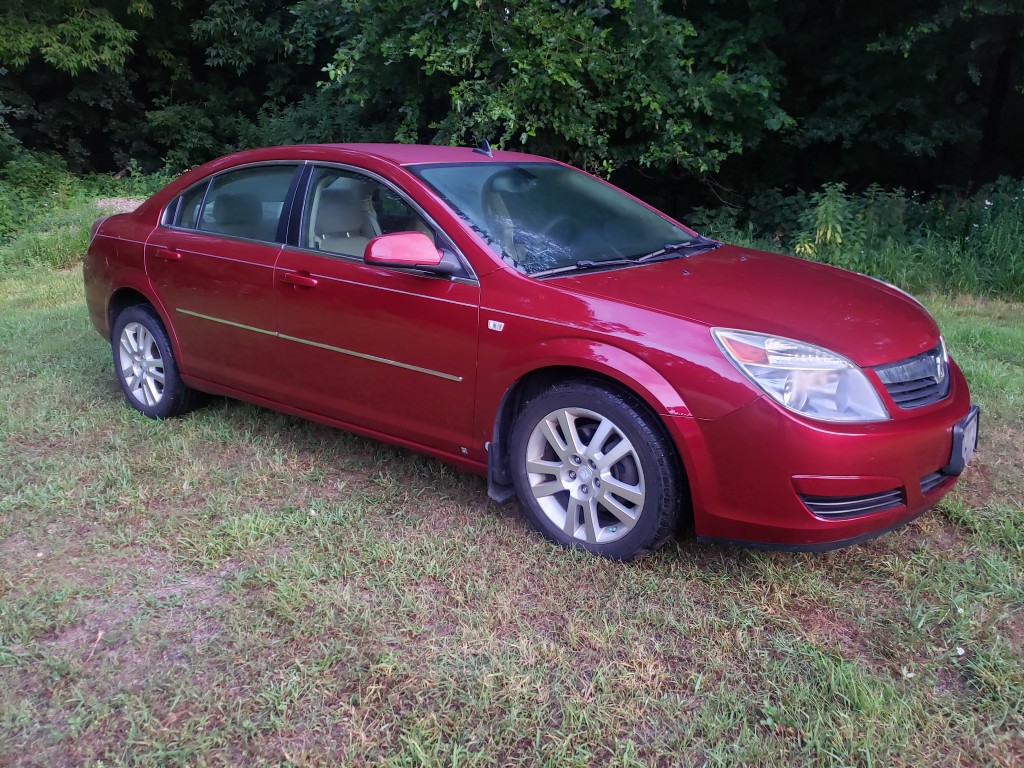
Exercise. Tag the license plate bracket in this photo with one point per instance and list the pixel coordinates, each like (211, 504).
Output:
(965, 442)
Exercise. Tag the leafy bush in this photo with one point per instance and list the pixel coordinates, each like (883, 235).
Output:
(30, 184)
(46, 212)
(944, 243)
(57, 240)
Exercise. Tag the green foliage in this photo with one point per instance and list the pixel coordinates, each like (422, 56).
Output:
(188, 132)
(239, 34)
(943, 243)
(57, 240)
(823, 223)
(9, 144)
(575, 80)
(30, 186)
(70, 35)
(46, 212)
(757, 92)
(760, 99)
(326, 115)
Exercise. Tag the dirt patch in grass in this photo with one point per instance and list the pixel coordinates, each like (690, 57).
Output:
(15, 546)
(939, 534)
(997, 467)
(829, 629)
(118, 204)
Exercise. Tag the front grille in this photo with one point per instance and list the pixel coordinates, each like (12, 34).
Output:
(930, 482)
(917, 381)
(838, 507)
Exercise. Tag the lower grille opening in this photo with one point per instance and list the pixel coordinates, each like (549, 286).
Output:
(838, 507)
(932, 481)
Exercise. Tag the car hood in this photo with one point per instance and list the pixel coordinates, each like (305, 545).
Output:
(865, 320)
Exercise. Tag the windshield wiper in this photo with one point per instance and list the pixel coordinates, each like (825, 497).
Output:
(688, 248)
(584, 264)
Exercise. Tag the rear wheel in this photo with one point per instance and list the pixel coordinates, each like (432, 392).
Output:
(145, 365)
(594, 471)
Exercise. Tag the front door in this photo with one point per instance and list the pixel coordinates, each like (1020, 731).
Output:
(387, 350)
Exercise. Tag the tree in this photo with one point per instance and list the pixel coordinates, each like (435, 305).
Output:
(916, 93)
(603, 83)
(71, 36)
(750, 93)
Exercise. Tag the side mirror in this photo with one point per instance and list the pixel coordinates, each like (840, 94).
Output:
(406, 250)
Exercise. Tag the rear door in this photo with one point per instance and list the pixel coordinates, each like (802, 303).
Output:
(389, 350)
(212, 263)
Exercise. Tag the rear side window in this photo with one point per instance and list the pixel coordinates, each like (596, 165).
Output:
(247, 203)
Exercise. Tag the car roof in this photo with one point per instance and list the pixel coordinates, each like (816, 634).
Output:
(401, 155)
(419, 154)
(393, 154)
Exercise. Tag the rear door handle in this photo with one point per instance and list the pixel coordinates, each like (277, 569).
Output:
(299, 278)
(167, 254)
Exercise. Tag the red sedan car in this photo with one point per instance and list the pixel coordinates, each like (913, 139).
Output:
(522, 319)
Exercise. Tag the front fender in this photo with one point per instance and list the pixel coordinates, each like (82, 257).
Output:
(583, 354)
(500, 385)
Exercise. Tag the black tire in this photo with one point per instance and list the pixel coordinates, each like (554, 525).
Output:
(145, 365)
(619, 508)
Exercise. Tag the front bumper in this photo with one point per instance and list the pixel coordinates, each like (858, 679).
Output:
(757, 473)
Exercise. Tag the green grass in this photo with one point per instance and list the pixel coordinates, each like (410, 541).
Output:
(240, 587)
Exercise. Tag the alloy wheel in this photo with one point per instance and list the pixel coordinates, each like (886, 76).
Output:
(142, 365)
(585, 475)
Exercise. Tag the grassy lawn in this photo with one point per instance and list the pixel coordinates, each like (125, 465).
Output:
(240, 587)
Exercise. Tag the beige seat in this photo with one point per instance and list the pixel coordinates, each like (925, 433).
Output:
(238, 214)
(502, 227)
(339, 222)
(419, 225)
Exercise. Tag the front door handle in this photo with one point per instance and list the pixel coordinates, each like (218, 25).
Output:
(167, 255)
(303, 279)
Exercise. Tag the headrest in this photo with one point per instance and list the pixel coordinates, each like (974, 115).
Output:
(513, 180)
(239, 208)
(339, 210)
(357, 187)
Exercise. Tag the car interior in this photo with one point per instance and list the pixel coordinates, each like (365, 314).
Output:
(343, 211)
(347, 212)
(240, 214)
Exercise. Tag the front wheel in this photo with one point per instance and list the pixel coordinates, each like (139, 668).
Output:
(593, 470)
(145, 365)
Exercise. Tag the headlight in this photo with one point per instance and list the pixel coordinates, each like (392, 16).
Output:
(802, 377)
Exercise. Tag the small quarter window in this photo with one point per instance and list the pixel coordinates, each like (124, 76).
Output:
(188, 210)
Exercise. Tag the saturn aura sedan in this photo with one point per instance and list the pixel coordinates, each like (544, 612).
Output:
(619, 373)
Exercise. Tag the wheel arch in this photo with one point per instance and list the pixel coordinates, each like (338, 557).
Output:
(533, 382)
(132, 295)
(123, 298)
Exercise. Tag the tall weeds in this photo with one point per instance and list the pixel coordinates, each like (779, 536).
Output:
(940, 244)
(46, 212)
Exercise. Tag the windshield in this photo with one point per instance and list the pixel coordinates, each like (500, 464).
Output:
(542, 216)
